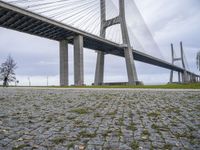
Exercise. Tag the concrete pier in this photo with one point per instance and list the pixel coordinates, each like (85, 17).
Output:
(64, 63)
(130, 65)
(99, 73)
(179, 77)
(185, 75)
(78, 61)
(128, 53)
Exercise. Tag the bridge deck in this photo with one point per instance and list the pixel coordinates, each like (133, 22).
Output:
(18, 19)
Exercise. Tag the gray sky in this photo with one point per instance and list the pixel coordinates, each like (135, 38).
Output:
(168, 20)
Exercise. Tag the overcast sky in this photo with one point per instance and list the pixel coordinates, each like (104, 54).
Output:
(168, 20)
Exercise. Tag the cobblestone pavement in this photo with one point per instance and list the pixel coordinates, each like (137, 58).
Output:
(95, 119)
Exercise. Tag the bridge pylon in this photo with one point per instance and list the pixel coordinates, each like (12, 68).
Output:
(184, 75)
(130, 65)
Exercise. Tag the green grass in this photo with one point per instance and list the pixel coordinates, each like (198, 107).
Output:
(85, 134)
(166, 86)
(70, 145)
(97, 115)
(153, 114)
(132, 127)
(134, 145)
(80, 110)
(19, 147)
(167, 147)
(58, 140)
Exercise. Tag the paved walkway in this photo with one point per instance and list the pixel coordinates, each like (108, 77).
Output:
(95, 119)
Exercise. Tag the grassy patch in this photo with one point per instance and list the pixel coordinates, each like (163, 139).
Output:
(134, 145)
(71, 117)
(85, 134)
(166, 86)
(187, 135)
(167, 147)
(118, 132)
(70, 145)
(19, 147)
(97, 115)
(173, 109)
(121, 120)
(159, 128)
(80, 110)
(153, 114)
(58, 140)
(132, 127)
(106, 133)
(197, 107)
(112, 113)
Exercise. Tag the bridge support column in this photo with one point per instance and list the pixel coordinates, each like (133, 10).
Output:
(78, 61)
(195, 79)
(179, 77)
(131, 70)
(171, 76)
(130, 65)
(184, 77)
(99, 73)
(171, 73)
(191, 78)
(63, 63)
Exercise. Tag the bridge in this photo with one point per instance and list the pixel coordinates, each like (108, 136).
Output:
(22, 20)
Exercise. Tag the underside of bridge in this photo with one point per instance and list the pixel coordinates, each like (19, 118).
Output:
(15, 18)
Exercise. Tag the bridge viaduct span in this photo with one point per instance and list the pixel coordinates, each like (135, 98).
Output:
(16, 18)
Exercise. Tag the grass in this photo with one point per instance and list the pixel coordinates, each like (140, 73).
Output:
(173, 109)
(58, 140)
(134, 145)
(132, 127)
(19, 147)
(167, 147)
(153, 114)
(97, 115)
(80, 110)
(112, 113)
(121, 120)
(106, 133)
(165, 86)
(187, 135)
(70, 145)
(85, 134)
(159, 128)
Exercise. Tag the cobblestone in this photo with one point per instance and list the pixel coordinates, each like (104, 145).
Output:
(99, 119)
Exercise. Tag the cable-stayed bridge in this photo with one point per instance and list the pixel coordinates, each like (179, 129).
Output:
(86, 24)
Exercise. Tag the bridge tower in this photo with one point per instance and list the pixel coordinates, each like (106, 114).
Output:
(181, 58)
(120, 19)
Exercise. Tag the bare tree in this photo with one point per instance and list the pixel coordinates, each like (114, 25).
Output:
(198, 60)
(7, 69)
